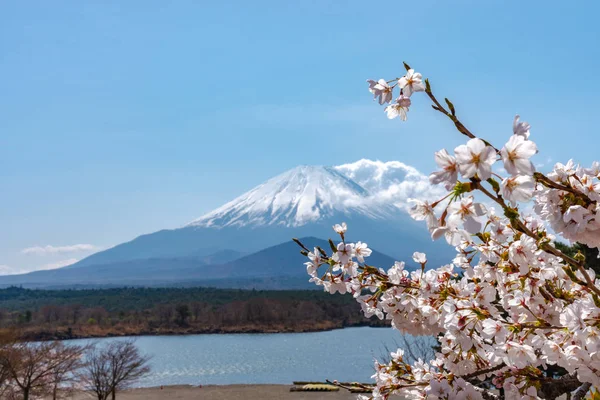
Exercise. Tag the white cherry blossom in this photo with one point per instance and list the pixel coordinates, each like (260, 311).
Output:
(361, 250)
(411, 82)
(466, 212)
(340, 228)
(423, 211)
(516, 154)
(399, 108)
(510, 303)
(521, 128)
(345, 251)
(381, 90)
(449, 170)
(475, 158)
(419, 258)
(518, 188)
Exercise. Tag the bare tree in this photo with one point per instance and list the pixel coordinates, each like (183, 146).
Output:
(38, 369)
(7, 340)
(67, 370)
(97, 373)
(415, 348)
(114, 367)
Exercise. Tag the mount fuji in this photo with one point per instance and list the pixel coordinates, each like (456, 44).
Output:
(370, 196)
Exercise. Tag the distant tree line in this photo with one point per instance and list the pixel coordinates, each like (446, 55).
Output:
(54, 370)
(62, 314)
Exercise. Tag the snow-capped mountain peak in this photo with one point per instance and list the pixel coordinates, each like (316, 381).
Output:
(301, 195)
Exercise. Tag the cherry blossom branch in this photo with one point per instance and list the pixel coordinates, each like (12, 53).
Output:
(483, 371)
(351, 386)
(581, 391)
(465, 131)
(459, 125)
(552, 388)
(488, 395)
(439, 107)
(511, 273)
(544, 180)
(530, 326)
(545, 246)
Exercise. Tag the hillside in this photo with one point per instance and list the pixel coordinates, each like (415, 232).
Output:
(276, 267)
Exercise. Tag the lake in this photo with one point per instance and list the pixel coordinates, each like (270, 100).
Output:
(343, 354)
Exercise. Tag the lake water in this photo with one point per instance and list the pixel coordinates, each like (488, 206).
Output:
(343, 354)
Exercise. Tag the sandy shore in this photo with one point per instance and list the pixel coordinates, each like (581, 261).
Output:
(228, 392)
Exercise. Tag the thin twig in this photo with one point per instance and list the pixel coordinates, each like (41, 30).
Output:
(483, 372)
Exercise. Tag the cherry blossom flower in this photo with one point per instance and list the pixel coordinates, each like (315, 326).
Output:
(465, 212)
(399, 108)
(521, 128)
(449, 173)
(381, 90)
(419, 258)
(518, 188)
(344, 253)
(475, 158)
(340, 228)
(516, 154)
(315, 261)
(422, 210)
(519, 355)
(522, 252)
(361, 250)
(454, 236)
(411, 82)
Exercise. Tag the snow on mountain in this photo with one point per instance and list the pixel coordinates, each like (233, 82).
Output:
(296, 197)
(307, 194)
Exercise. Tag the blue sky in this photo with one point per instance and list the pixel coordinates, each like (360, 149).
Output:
(121, 118)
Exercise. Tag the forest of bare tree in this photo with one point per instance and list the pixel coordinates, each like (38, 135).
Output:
(66, 314)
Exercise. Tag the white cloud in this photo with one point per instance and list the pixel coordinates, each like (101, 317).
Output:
(392, 182)
(547, 163)
(7, 270)
(57, 264)
(46, 250)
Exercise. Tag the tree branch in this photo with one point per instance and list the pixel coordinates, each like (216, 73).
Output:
(581, 391)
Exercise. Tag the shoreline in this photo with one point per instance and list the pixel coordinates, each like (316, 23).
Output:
(64, 334)
(230, 392)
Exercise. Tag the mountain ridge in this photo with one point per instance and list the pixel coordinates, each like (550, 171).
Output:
(305, 201)
(275, 267)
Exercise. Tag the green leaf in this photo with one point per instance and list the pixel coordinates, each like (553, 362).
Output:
(450, 106)
(322, 251)
(494, 184)
(332, 246)
(596, 300)
(299, 243)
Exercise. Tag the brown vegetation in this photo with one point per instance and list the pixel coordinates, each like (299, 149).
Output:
(122, 312)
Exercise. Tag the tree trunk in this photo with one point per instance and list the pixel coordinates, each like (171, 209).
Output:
(26, 394)
(114, 394)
